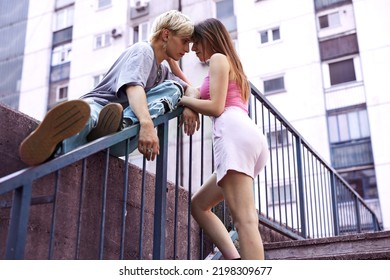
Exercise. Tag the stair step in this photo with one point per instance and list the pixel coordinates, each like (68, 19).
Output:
(348, 247)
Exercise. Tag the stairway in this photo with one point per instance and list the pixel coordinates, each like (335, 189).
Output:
(365, 246)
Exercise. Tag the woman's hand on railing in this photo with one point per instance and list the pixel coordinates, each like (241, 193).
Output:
(190, 120)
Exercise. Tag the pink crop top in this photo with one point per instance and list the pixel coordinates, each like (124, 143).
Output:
(233, 97)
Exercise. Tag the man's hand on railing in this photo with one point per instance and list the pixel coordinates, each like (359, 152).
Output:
(148, 142)
(191, 121)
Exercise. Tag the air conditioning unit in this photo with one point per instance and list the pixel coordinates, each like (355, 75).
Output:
(116, 32)
(141, 5)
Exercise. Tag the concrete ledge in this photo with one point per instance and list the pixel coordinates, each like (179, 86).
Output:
(71, 241)
(357, 246)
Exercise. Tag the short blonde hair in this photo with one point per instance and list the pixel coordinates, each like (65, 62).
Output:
(175, 21)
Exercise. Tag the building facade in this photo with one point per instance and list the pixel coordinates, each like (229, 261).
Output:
(322, 63)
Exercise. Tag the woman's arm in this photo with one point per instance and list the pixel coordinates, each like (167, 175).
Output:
(219, 80)
(176, 70)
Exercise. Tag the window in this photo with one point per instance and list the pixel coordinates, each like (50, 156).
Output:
(280, 194)
(273, 85)
(104, 4)
(97, 79)
(64, 18)
(323, 4)
(349, 136)
(330, 20)
(61, 54)
(63, 3)
(277, 138)
(269, 35)
(225, 13)
(62, 93)
(342, 72)
(60, 72)
(103, 40)
(347, 126)
(141, 32)
(363, 182)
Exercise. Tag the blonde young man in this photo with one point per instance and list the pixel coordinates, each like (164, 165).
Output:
(137, 88)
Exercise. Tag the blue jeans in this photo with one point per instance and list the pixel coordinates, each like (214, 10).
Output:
(161, 99)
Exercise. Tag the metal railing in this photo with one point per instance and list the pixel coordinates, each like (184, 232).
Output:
(298, 193)
(87, 222)
(106, 217)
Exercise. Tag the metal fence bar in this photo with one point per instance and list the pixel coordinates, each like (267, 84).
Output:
(53, 217)
(17, 232)
(104, 203)
(124, 204)
(81, 203)
(189, 200)
(177, 172)
(160, 194)
(301, 191)
(142, 212)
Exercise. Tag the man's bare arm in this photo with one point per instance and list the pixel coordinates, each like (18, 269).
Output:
(148, 143)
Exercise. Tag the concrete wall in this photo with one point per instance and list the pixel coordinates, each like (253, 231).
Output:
(68, 206)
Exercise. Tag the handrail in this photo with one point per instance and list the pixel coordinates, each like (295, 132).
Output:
(319, 186)
(21, 184)
(298, 194)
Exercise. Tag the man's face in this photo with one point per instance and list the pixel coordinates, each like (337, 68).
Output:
(178, 46)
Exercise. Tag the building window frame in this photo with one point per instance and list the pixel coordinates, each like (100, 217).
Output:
(274, 85)
(97, 79)
(103, 4)
(278, 138)
(282, 193)
(64, 18)
(62, 93)
(348, 124)
(329, 20)
(102, 40)
(140, 32)
(270, 35)
(350, 137)
(342, 71)
(61, 54)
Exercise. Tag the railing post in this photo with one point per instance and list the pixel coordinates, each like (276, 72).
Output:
(336, 226)
(302, 209)
(18, 225)
(160, 199)
(358, 218)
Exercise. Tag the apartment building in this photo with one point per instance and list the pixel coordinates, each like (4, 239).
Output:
(322, 63)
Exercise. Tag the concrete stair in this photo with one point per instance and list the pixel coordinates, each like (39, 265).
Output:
(364, 246)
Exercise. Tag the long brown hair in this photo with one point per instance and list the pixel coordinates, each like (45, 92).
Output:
(211, 33)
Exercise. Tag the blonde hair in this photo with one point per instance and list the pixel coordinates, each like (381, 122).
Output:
(211, 33)
(173, 20)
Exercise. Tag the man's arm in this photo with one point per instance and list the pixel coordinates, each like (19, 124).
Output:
(148, 139)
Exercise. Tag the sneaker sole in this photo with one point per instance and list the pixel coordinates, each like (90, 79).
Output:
(110, 121)
(61, 122)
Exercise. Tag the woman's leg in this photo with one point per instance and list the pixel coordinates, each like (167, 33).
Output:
(202, 202)
(238, 193)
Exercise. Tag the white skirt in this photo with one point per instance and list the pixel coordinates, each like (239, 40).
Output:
(239, 144)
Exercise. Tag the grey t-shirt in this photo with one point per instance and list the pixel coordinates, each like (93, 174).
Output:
(137, 65)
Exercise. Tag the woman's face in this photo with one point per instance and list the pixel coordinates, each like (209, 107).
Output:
(201, 52)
